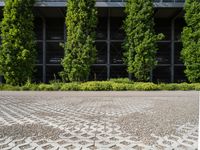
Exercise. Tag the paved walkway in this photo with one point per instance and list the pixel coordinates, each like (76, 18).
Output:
(98, 120)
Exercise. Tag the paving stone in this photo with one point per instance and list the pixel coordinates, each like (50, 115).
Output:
(98, 121)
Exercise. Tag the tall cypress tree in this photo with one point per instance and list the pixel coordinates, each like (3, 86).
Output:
(79, 48)
(17, 54)
(191, 40)
(140, 43)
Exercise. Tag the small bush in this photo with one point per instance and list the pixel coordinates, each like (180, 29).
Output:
(45, 87)
(197, 87)
(56, 85)
(145, 86)
(7, 87)
(180, 86)
(112, 85)
(186, 87)
(168, 87)
(120, 86)
(30, 87)
(96, 86)
(121, 80)
(70, 87)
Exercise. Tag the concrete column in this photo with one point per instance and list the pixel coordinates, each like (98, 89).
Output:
(44, 50)
(108, 45)
(172, 48)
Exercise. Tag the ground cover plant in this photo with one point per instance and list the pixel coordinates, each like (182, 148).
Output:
(111, 85)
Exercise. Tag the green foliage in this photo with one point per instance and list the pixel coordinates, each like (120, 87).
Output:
(8, 87)
(17, 54)
(140, 43)
(80, 51)
(96, 86)
(145, 86)
(191, 40)
(112, 85)
(121, 80)
(181, 86)
(73, 86)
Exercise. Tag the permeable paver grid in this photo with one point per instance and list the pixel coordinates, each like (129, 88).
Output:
(98, 120)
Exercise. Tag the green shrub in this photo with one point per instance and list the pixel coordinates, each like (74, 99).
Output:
(191, 40)
(167, 87)
(7, 87)
(80, 50)
(30, 87)
(174, 86)
(114, 85)
(145, 86)
(17, 54)
(185, 86)
(197, 87)
(121, 80)
(45, 87)
(70, 86)
(56, 84)
(120, 86)
(141, 39)
(96, 86)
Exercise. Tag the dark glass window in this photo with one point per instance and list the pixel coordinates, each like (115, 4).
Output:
(38, 24)
(52, 73)
(39, 53)
(55, 29)
(163, 26)
(177, 53)
(118, 72)
(179, 24)
(37, 76)
(54, 53)
(101, 52)
(162, 74)
(101, 31)
(117, 33)
(164, 53)
(179, 75)
(2, 79)
(116, 53)
(98, 73)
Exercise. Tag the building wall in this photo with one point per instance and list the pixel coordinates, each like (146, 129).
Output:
(109, 64)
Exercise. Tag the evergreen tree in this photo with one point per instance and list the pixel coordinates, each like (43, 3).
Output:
(140, 43)
(191, 40)
(17, 54)
(79, 48)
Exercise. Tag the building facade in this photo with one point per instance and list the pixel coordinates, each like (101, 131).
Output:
(50, 31)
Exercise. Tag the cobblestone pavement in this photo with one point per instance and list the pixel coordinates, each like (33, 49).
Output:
(98, 120)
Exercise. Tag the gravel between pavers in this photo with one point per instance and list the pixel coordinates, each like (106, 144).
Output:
(162, 120)
(99, 120)
(38, 131)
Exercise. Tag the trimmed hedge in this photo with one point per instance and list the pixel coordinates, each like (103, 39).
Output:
(112, 85)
